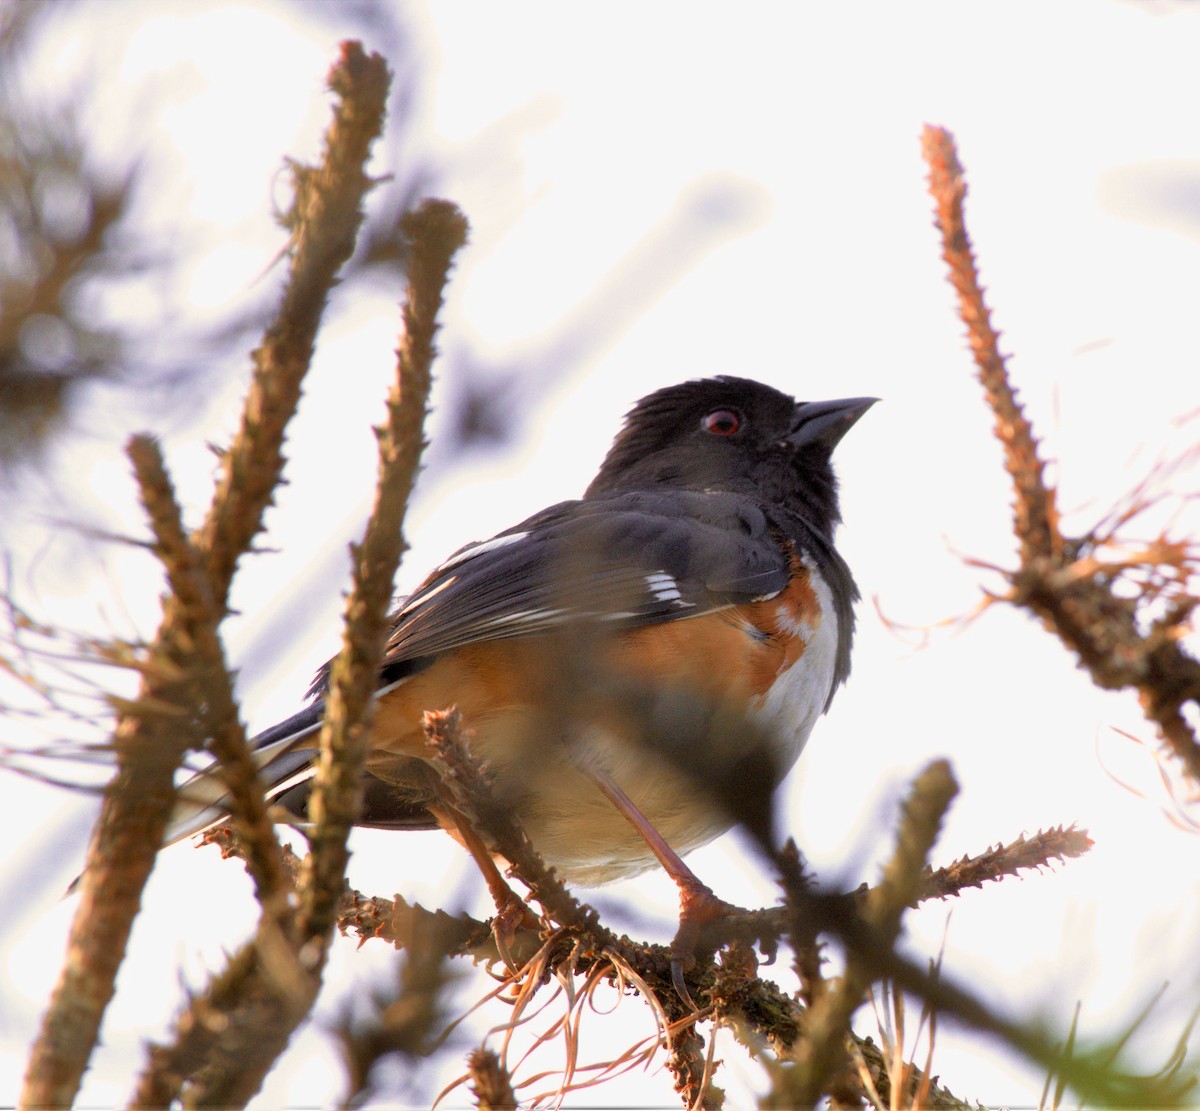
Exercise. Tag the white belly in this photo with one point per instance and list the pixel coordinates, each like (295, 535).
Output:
(800, 694)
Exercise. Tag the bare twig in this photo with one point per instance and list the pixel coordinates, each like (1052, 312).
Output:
(1024, 853)
(150, 747)
(436, 230)
(1074, 598)
(821, 1053)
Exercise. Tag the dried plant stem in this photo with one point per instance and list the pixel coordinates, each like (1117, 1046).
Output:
(1100, 626)
(919, 1089)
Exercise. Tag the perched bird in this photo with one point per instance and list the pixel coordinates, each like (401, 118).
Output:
(699, 562)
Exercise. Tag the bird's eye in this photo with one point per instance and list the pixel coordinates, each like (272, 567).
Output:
(722, 422)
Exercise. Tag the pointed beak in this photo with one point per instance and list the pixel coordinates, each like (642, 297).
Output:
(824, 423)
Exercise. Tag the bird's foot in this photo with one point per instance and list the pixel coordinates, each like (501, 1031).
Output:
(698, 906)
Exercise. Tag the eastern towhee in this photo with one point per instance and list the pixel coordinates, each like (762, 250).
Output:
(700, 558)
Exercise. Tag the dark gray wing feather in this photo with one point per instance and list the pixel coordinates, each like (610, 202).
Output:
(630, 559)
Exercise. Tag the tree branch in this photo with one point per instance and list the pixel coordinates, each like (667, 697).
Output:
(157, 729)
(1071, 594)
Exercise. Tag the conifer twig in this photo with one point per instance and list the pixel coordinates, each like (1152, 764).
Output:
(282, 982)
(1080, 606)
(821, 1052)
(1036, 852)
(324, 220)
(436, 231)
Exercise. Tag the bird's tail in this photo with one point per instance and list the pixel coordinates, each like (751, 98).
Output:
(285, 755)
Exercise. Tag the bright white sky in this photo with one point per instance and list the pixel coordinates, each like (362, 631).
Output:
(750, 188)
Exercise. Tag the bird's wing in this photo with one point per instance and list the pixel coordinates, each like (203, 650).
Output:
(624, 561)
(627, 560)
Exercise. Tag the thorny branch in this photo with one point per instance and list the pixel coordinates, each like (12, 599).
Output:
(270, 984)
(820, 1056)
(1057, 580)
(436, 231)
(735, 992)
(277, 977)
(156, 730)
(214, 688)
(324, 219)
(461, 772)
(1034, 852)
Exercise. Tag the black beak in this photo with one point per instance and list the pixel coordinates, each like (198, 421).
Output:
(824, 423)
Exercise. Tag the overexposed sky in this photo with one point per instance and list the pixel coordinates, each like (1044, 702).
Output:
(682, 190)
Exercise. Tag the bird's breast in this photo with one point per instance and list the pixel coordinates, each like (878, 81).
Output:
(800, 634)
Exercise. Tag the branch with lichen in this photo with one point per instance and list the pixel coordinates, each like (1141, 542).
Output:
(1059, 579)
(738, 996)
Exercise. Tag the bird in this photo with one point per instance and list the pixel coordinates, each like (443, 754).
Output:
(699, 564)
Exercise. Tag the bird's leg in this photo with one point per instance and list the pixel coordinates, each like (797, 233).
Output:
(512, 911)
(698, 905)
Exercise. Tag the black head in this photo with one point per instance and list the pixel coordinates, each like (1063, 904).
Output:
(733, 435)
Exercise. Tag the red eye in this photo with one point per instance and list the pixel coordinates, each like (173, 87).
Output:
(722, 422)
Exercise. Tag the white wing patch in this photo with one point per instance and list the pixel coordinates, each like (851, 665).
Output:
(425, 596)
(663, 587)
(473, 550)
(535, 617)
